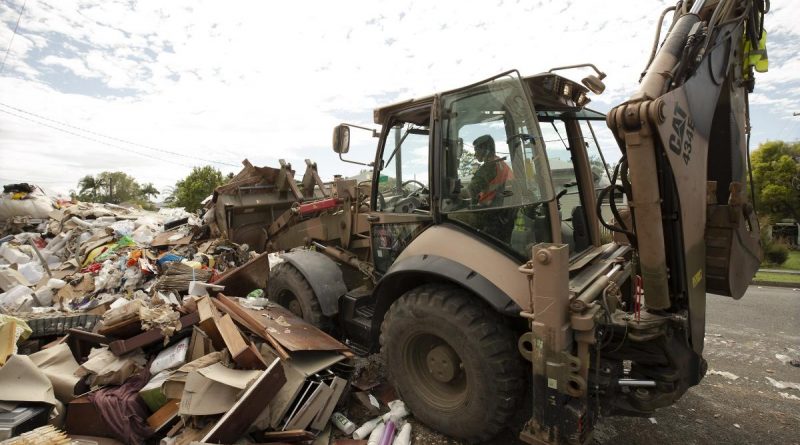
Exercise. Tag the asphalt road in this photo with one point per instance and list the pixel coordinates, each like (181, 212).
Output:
(736, 403)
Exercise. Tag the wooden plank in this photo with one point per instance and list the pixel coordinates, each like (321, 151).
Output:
(289, 436)
(292, 332)
(231, 335)
(121, 347)
(199, 345)
(241, 416)
(244, 354)
(208, 321)
(164, 415)
(81, 342)
(124, 329)
(247, 320)
(83, 419)
(250, 358)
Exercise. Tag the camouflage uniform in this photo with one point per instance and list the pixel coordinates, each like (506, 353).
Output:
(486, 189)
(488, 183)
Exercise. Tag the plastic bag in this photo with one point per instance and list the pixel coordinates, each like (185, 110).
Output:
(33, 272)
(13, 255)
(126, 241)
(15, 296)
(144, 234)
(123, 227)
(108, 278)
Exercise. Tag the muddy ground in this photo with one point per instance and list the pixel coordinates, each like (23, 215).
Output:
(748, 345)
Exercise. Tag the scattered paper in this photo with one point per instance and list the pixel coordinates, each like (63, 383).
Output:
(59, 366)
(783, 385)
(726, 374)
(109, 369)
(786, 395)
(22, 381)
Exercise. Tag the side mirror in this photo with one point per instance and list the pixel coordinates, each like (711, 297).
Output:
(594, 84)
(341, 139)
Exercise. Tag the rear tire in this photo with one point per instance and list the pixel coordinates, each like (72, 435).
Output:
(289, 288)
(453, 360)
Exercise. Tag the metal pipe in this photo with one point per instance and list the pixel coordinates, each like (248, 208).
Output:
(617, 274)
(613, 270)
(637, 383)
(342, 255)
(656, 78)
(41, 258)
(697, 6)
(591, 293)
(658, 36)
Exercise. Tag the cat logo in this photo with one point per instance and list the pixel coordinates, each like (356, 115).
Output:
(680, 141)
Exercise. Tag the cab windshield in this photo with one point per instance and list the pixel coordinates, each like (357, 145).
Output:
(496, 170)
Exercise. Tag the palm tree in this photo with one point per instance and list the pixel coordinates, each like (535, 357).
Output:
(89, 183)
(148, 190)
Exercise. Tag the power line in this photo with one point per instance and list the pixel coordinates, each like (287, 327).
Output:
(13, 35)
(135, 144)
(92, 139)
(28, 180)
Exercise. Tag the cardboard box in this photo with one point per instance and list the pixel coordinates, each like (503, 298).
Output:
(214, 390)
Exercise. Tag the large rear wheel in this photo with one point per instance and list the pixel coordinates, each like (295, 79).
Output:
(453, 360)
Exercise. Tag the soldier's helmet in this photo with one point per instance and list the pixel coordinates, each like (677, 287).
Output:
(484, 146)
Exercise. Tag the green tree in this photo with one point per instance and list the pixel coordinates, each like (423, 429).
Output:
(88, 187)
(465, 164)
(776, 174)
(119, 187)
(148, 191)
(190, 191)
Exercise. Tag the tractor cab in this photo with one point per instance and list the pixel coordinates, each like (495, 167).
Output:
(513, 160)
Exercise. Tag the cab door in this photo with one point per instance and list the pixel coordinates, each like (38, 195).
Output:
(401, 204)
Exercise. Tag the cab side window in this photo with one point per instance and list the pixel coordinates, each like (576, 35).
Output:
(574, 224)
(403, 176)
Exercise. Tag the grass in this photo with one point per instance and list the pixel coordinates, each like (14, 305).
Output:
(777, 278)
(792, 263)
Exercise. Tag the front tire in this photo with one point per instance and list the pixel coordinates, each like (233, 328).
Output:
(289, 288)
(453, 360)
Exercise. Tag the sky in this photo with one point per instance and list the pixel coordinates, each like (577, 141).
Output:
(154, 88)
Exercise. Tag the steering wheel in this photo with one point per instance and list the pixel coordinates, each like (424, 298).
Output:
(413, 181)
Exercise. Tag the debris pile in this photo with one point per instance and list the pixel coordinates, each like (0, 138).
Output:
(22, 206)
(135, 326)
(120, 324)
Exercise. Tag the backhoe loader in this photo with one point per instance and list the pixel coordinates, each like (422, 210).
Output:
(488, 273)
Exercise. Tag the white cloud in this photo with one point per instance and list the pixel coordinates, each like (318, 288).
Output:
(77, 66)
(267, 80)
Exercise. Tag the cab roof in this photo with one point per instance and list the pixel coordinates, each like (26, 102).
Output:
(550, 93)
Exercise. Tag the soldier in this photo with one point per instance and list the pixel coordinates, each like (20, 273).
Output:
(489, 181)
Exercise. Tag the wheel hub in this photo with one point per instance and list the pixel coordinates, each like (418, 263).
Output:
(295, 308)
(443, 363)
